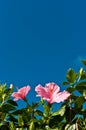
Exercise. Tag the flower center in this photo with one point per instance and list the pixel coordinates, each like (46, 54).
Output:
(51, 89)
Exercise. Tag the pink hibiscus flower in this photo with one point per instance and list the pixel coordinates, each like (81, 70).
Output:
(21, 94)
(51, 93)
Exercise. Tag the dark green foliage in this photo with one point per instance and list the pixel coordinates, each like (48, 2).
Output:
(84, 62)
(71, 76)
(70, 116)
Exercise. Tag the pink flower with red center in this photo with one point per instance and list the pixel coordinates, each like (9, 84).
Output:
(21, 94)
(51, 93)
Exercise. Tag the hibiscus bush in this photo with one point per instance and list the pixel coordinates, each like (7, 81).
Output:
(71, 115)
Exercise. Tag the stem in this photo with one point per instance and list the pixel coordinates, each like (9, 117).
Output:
(77, 126)
(50, 108)
(47, 113)
(28, 105)
(70, 100)
(33, 114)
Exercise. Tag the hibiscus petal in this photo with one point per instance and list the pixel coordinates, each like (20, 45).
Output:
(61, 96)
(53, 87)
(21, 94)
(51, 93)
(41, 91)
(24, 91)
(16, 95)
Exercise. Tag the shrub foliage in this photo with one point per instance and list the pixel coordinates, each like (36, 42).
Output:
(70, 116)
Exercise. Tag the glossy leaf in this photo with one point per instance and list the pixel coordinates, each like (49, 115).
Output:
(69, 114)
(71, 76)
(20, 120)
(12, 119)
(79, 102)
(55, 121)
(65, 83)
(12, 102)
(38, 113)
(81, 87)
(32, 126)
(7, 107)
(70, 127)
(83, 76)
(12, 126)
(84, 94)
(71, 89)
(84, 62)
(60, 112)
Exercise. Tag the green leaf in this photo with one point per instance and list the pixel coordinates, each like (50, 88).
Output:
(79, 102)
(48, 128)
(4, 127)
(55, 121)
(12, 118)
(81, 71)
(38, 113)
(34, 105)
(81, 87)
(8, 91)
(84, 93)
(60, 112)
(81, 83)
(20, 120)
(65, 83)
(7, 107)
(81, 123)
(69, 114)
(32, 126)
(2, 116)
(84, 62)
(12, 126)
(47, 109)
(17, 112)
(2, 87)
(70, 127)
(83, 76)
(71, 76)
(71, 89)
(12, 102)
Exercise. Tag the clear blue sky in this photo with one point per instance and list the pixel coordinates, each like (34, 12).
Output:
(40, 40)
